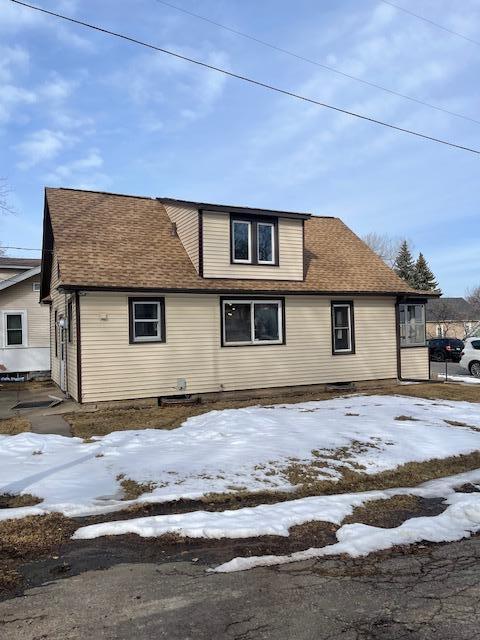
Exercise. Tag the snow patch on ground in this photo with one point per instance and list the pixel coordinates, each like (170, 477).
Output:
(232, 450)
(459, 520)
(465, 379)
(267, 519)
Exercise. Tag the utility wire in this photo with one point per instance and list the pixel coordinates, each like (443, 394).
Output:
(435, 24)
(316, 63)
(258, 83)
(21, 248)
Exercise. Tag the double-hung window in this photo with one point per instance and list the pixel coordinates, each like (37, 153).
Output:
(343, 334)
(14, 323)
(147, 319)
(254, 241)
(252, 322)
(412, 325)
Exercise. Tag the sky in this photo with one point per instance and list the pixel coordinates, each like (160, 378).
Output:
(85, 110)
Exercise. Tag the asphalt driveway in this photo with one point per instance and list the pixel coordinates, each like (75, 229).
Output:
(430, 592)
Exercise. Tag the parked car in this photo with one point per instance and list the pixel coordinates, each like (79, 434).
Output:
(471, 356)
(441, 349)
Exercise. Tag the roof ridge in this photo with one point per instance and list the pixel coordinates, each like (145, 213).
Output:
(105, 193)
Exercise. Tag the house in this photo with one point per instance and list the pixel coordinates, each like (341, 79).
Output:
(154, 297)
(24, 325)
(452, 318)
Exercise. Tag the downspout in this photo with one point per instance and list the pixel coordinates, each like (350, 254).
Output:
(65, 345)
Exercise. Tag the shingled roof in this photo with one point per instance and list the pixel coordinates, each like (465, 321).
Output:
(18, 263)
(125, 242)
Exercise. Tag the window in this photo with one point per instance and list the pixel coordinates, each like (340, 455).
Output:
(241, 241)
(69, 319)
(265, 243)
(14, 323)
(342, 328)
(147, 319)
(476, 344)
(254, 241)
(252, 322)
(412, 325)
(36, 286)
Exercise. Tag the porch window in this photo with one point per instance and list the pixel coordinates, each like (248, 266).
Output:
(342, 327)
(147, 319)
(14, 324)
(412, 325)
(252, 322)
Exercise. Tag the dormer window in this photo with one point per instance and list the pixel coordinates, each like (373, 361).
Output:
(254, 240)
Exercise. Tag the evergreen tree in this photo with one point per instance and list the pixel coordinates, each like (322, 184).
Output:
(404, 266)
(424, 278)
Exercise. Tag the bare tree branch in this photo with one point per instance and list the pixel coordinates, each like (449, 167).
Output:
(5, 191)
(385, 247)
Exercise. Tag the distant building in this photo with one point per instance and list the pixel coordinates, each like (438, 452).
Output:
(24, 322)
(452, 318)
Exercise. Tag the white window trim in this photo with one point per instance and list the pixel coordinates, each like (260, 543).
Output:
(405, 343)
(15, 312)
(249, 259)
(349, 327)
(252, 303)
(158, 322)
(36, 287)
(272, 236)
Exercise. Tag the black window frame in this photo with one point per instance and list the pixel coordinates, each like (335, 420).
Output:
(131, 335)
(350, 305)
(258, 343)
(254, 221)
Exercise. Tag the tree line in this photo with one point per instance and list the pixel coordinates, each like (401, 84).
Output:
(398, 255)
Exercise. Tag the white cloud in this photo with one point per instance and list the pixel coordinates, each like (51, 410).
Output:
(42, 145)
(56, 89)
(92, 161)
(180, 88)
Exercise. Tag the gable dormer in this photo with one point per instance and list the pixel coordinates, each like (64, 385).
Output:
(239, 242)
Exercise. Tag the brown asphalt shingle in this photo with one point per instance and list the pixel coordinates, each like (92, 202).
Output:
(107, 240)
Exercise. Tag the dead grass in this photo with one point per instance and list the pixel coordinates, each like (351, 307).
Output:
(29, 538)
(13, 426)
(34, 535)
(133, 489)
(434, 391)
(11, 501)
(406, 419)
(375, 510)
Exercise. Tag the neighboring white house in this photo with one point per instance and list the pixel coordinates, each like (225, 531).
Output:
(24, 322)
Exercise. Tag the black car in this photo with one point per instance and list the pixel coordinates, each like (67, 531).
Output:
(441, 349)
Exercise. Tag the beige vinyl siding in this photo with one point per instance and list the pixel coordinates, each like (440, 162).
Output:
(415, 363)
(216, 251)
(21, 297)
(60, 304)
(186, 220)
(113, 369)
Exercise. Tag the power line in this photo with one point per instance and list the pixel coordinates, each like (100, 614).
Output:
(435, 24)
(316, 63)
(258, 83)
(2, 246)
